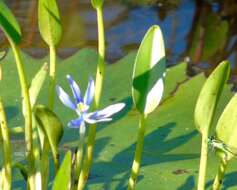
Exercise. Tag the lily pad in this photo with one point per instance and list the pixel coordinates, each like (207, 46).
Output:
(172, 145)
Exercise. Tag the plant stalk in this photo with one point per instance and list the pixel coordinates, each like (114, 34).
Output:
(87, 162)
(7, 161)
(52, 75)
(203, 162)
(80, 152)
(220, 175)
(28, 115)
(138, 153)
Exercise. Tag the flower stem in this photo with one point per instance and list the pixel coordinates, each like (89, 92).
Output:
(6, 170)
(203, 162)
(87, 162)
(220, 175)
(28, 115)
(138, 153)
(80, 151)
(52, 75)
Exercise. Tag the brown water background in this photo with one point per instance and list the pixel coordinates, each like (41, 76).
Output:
(203, 33)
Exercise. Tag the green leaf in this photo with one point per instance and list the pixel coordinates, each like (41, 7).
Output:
(51, 126)
(49, 22)
(209, 96)
(97, 3)
(36, 85)
(149, 69)
(62, 180)
(226, 130)
(22, 168)
(9, 24)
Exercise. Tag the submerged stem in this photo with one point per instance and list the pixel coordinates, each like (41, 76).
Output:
(203, 162)
(87, 162)
(27, 115)
(52, 75)
(7, 161)
(138, 153)
(220, 175)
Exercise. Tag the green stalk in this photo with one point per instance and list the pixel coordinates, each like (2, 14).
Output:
(6, 170)
(28, 115)
(36, 150)
(45, 164)
(80, 152)
(52, 75)
(51, 97)
(138, 153)
(87, 162)
(220, 175)
(203, 162)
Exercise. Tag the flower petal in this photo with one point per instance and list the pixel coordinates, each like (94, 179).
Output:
(110, 110)
(76, 123)
(75, 89)
(65, 99)
(93, 120)
(89, 95)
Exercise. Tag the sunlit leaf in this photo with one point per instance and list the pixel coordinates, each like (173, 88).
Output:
(9, 24)
(148, 73)
(97, 3)
(62, 180)
(209, 96)
(226, 130)
(49, 22)
(50, 125)
(36, 85)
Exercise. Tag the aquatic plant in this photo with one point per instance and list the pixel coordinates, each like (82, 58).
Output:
(142, 93)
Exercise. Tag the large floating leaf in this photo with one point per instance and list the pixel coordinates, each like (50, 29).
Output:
(49, 22)
(51, 125)
(62, 180)
(209, 97)
(149, 69)
(172, 146)
(9, 24)
(226, 130)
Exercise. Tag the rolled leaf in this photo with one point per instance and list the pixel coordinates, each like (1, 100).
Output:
(226, 130)
(149, 70)
(49, 22)
(36, 85)
(209, 96)
(9, 24)
(97, 3)
(52, 127)
(63, 178)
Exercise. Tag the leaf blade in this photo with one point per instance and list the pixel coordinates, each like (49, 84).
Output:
(9, 24)
(49, 22)
(50, 125)
(149, 69)
(62, 180)
(209, 97)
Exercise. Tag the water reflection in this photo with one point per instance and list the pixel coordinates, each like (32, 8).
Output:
(202, 32)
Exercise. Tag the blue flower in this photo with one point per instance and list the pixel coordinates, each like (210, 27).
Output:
(82, 104)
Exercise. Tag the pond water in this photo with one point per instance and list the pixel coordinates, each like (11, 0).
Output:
(200, 32)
